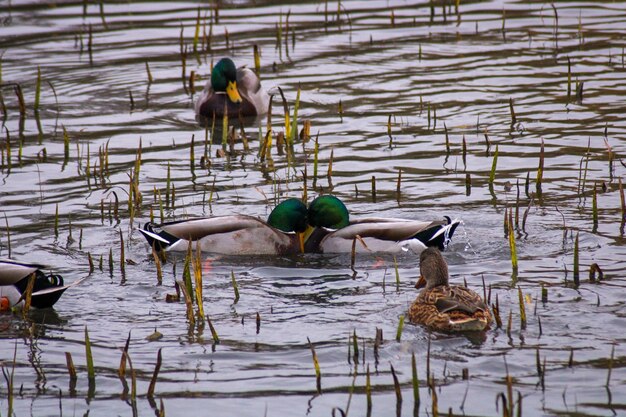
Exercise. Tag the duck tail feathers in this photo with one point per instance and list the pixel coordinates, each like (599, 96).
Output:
(439, 236)
(157, 240)
(47, 289)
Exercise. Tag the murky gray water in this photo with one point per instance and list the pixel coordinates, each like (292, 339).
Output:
(465, 67)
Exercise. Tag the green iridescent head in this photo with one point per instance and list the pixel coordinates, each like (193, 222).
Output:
(289, 216)
(328, 211)
(224, 79)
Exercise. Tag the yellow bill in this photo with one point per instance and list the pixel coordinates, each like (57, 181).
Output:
(233, 93)
(301, 241)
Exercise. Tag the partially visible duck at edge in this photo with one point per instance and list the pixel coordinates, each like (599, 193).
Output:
(14, 278)
(238, 90)
(445, 307)
(238, 234)
(334, 231)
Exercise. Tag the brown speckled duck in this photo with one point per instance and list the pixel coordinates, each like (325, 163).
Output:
(445, 307)
(236, 89)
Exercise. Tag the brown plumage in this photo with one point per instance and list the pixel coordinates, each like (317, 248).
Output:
(445, 307)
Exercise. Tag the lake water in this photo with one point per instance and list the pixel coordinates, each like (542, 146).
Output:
(381, 82)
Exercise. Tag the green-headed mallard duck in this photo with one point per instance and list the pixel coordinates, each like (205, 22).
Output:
(239, 89)
(445, 307)
(334, 231)
(235, 234)
(14, 277)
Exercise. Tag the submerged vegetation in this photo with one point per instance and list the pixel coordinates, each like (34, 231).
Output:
(363, 107)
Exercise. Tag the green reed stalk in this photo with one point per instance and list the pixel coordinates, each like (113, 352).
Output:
(66, 145)
(90, 45)
(540, 168)
(111, 262)
(330, 164)
(37, 89)
(168, 184)
(188, 303)
(496, 313)
(257, 60)
(150, 79)
(355, 347)
(594, 206)
(389, 131)
(415, 381)
(216, 338)
(159, 268)
(513, 117)
(192, 155)
(8, 376)
(610, 366)
(622, 200)
(316, 366)
(91, 373)
(492, 176)
(187, 271)
(315, 158)
(569, 79)
(197, 273)
(20, 100)
(522, 307)
(122, 256)
(396, 385)
(28, 295)
(400, 328)
(340, 109)
(155, 374)
(368, 390)
(373, 188)
(71, 369)
(512, 243)
(576, 265)
(294, 123)
(235, 287)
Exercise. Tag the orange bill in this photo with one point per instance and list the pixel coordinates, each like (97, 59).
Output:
(421, 282)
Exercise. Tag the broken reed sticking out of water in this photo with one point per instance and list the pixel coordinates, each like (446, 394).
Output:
(316, 366)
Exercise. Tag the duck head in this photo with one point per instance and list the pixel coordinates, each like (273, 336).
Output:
(329, 212)
(290, 216)
(224, 79)
(433, 269)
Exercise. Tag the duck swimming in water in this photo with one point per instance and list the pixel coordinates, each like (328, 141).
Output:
(445, 307)
(235, 234)
(14, 276)
(334, 231)
(236, 90)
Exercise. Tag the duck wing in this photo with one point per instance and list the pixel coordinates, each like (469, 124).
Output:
(461, 300)
(395, 230)
(248, 81)
(450, 308)
(251, 90)
(231, 235)
(166, 234)
(11, 272)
